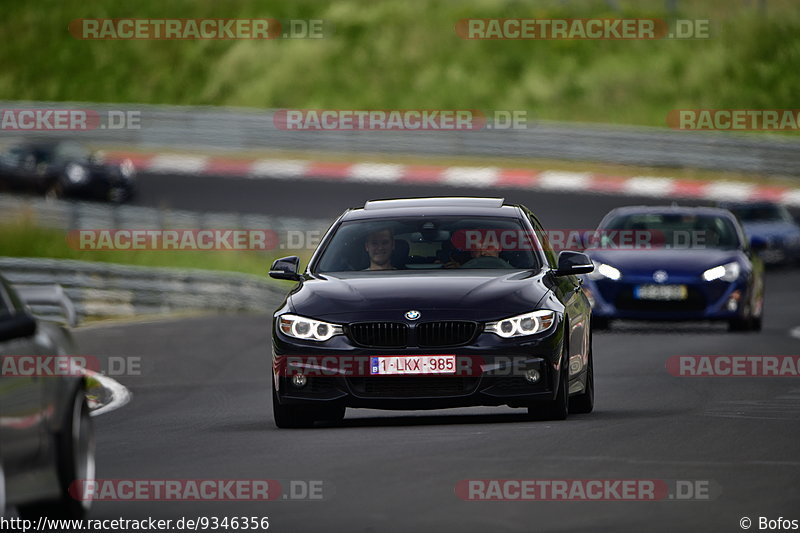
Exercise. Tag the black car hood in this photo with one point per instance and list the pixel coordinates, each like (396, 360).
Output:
(466, 295)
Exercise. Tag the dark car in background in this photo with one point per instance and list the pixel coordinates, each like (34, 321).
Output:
(65, 169)
(772, 228)
(681, 263)
(46, 433)
(432, 303)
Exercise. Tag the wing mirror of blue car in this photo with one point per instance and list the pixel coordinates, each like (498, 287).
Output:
(16, 327)
(573, 263)
(286, 268)
(757, 244)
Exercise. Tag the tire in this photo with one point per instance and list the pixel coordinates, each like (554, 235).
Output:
(2, 491)
(557, 408)
(583, 403)
(739, 324)
(117, 196)
(54, 191)
(601, 323)
(75, 448)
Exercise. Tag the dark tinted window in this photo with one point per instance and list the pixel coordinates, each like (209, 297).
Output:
(426, 243)
(678, 230)
(762, 213)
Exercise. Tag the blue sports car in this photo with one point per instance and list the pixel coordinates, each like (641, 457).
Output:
(772, 227)
(674, 263)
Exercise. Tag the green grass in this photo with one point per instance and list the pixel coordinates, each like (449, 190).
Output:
(405, 54)
(25, 239)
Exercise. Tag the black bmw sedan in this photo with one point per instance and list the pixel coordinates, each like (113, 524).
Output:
(427, 303)
(65, 169)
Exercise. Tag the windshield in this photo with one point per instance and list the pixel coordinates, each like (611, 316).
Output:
(680, 230)
(425, 243)
(762, 213)
(71, 152)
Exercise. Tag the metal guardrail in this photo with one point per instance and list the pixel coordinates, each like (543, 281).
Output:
(106, 290)
(248, 129)
(69, 215)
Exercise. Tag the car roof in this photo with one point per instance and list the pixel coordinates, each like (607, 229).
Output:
(671, 209)
(432, 206)
(40, 144)
(743, 205)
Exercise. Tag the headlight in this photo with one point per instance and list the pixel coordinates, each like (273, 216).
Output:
(792, 241)
(601, 270)
(727, 272)
(521, 325)
(76, 173)
(307, 328)
(126, 169)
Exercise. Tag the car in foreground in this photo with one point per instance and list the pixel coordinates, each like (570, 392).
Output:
(676, 263)
(65, 169)
(772, 228)
(46, 434)
(428, 303)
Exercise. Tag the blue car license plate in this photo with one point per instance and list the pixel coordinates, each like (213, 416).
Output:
(661, 292)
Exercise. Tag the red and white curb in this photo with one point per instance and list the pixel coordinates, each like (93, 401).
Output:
(482, 177)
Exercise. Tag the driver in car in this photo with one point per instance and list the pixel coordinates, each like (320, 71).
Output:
(380, 245)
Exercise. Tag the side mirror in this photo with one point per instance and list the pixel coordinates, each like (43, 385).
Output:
(16, 326)
(757, 244)
(573, 263)
(286, 268)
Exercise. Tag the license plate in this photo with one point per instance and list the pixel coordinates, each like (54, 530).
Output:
(661, 292)
(412, 364)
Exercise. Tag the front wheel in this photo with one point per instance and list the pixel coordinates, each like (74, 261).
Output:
(75, 447)
(54, 191)
(557, 408)
(583, 403)
(601, 323)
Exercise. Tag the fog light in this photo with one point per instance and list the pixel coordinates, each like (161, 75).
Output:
(532, 375)
(299, 381)
(733, 302)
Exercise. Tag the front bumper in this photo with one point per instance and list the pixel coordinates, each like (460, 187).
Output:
(490, 372)
(102, 188)
(706, 300)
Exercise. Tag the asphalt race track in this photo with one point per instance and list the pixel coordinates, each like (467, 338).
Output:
(201, 409)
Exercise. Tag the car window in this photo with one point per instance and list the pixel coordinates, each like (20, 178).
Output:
(762, 213)
(425, 243)
(5, 302)
(71, 152)
(12, 156)
(676, 230)
(547, 247)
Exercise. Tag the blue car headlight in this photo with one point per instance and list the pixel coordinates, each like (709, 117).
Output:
(522, 325)
(602, 270)
(301, 327)
(727, 272)
(792, 241)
